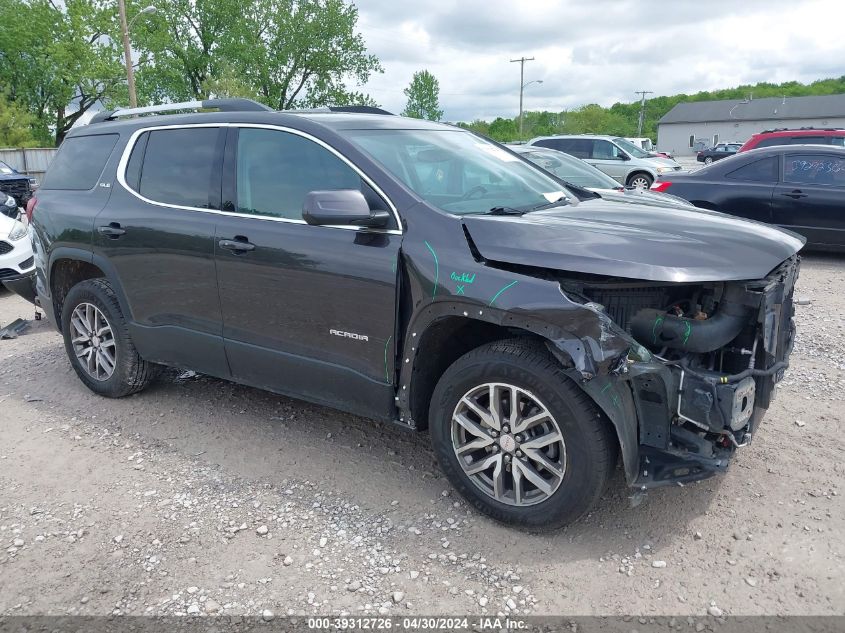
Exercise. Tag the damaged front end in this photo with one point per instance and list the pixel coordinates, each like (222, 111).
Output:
(696, 365)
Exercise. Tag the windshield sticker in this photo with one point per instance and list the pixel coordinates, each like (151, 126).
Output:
(498, 152)
(554, 196)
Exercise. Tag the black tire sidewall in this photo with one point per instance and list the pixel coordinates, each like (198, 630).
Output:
(585, 473)
(648, 179)
(99, 293)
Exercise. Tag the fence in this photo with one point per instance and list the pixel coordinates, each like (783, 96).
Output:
(32, 161)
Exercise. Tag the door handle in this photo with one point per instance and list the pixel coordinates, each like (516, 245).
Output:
(111, 230)
(794, 194)
(238, 246)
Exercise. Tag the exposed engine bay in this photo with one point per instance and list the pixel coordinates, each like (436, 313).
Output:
(713, 354)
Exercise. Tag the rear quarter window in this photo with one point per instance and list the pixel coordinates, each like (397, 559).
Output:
(79, 162)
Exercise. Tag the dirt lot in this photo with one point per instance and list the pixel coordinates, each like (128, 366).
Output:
(201, 496)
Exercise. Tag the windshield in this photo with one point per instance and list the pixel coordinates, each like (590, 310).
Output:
(573, 170)
(5, 169)
(457, 171)
(629, 147)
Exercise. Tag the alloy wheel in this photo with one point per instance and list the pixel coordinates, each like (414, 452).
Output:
(93, 341)
(508, 444)
(640, 182)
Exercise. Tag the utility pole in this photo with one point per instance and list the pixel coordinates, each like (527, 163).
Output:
(127, 54)
(521, 61)
(642, 110)
(127, 49)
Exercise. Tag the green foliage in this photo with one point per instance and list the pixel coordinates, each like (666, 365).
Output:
(15, 125)
(621, 118)
(59, 59)
(285, 53)
(423, 97)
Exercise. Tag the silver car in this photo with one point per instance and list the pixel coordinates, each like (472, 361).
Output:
(615, 156)
(574, 171)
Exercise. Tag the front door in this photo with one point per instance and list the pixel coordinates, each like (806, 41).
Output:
(308, 311)
(811, 198)
(607, 157)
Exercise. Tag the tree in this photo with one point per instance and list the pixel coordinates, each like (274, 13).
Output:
(285, 53)
(15, 125)
(59, 59)
(423, 97)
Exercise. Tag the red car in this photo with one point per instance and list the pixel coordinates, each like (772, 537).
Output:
(800, 136)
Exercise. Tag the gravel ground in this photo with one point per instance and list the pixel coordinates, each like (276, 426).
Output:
(199, 496)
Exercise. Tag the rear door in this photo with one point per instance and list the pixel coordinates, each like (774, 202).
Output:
(747, 190)
(157, 235)
(811, 197)
(308, 311)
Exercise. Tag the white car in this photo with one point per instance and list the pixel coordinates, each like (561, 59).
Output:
(15, 246)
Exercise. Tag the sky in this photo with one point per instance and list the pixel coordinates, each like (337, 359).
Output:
(594, 51)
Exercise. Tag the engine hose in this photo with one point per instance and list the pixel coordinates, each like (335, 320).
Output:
(655, 328)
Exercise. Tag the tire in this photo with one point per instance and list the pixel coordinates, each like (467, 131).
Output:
(94, 301)
(708, 160)
(588, 451)
(640, 180)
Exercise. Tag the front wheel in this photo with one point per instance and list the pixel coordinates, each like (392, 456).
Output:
(640, 181)
(517, 438)
(708, 160)
(97, 342)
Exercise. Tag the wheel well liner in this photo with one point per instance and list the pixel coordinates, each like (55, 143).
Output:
(65, 274)
(440, 345)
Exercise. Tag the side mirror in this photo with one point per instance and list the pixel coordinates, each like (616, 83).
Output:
(344, 207)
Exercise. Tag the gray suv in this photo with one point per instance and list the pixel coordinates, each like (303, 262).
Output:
(617, 157)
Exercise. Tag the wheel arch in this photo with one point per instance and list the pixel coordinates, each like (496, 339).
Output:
(70, 266)
(640, 171)
(450, 331)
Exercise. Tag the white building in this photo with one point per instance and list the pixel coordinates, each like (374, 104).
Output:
(695, 125)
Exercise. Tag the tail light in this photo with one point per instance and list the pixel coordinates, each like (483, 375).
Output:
(30, 208)
(661, 185)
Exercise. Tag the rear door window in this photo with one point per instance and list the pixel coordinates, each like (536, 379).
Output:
(177, 166)
(79, 162)
(814, 169)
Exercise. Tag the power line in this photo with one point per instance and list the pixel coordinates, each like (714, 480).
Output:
(642, 109)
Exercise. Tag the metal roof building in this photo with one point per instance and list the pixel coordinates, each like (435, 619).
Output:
(688, 126)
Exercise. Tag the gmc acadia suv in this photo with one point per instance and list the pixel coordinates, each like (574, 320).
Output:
(416, 273)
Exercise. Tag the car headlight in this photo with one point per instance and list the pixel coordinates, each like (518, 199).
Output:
(664, 170)
(18, 231)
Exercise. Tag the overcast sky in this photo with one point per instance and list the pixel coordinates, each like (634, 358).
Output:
(594, 51)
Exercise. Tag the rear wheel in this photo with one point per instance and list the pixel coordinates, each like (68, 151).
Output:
(640, 181)
(97, 341)
(517, 438)
(708, 160)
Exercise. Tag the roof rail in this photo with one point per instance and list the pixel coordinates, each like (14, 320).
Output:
(360, 109)
(223, 105)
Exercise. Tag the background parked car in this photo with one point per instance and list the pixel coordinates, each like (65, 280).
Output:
(800, 136)
(717, 152)
(615, 156)
(575, 171)
(15, 184)
(15, 249)
(799, 187)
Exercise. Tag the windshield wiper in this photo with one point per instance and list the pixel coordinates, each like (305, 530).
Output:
(503, 211)
(560, 202)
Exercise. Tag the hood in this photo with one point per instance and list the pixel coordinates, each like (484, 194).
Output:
(644, 197)
(660, 161)
(650, 243)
